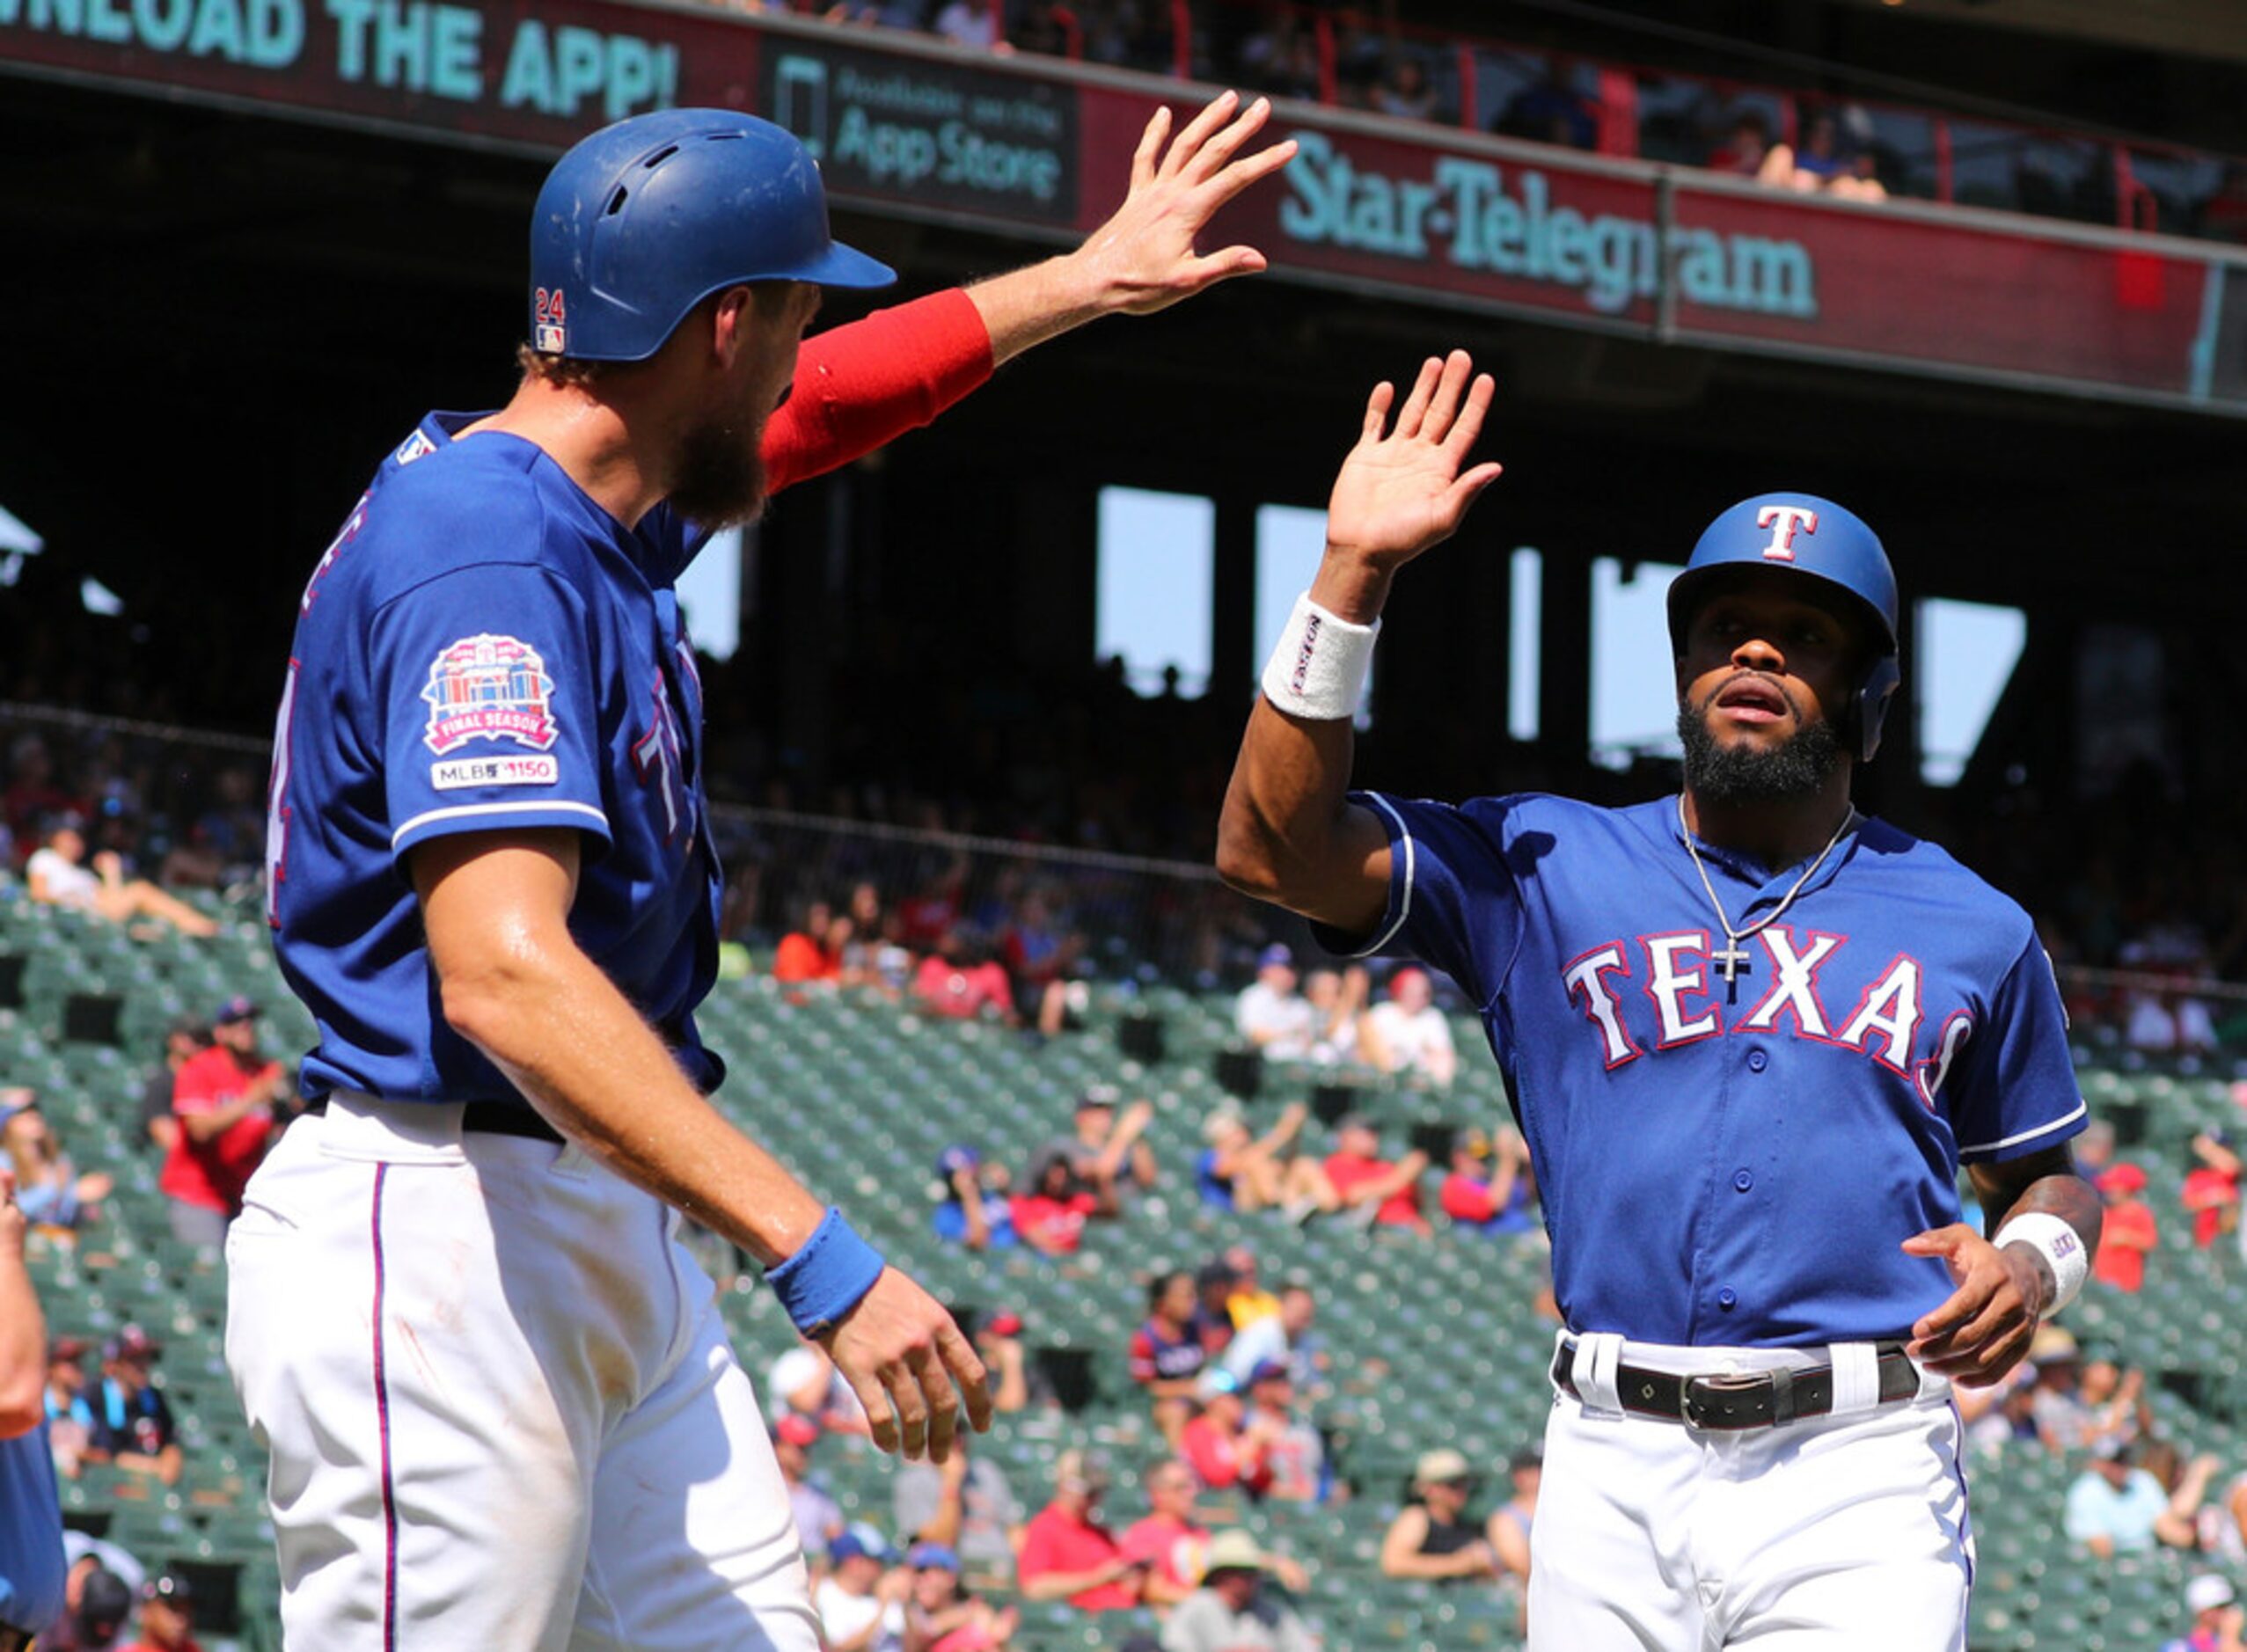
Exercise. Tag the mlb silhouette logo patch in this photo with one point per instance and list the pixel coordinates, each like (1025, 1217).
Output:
(489, 687)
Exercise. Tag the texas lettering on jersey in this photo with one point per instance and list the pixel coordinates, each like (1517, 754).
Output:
(1680, 1000)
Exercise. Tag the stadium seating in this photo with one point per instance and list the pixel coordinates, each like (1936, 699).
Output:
(1435, 1342)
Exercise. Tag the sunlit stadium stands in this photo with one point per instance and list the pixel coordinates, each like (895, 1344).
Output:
(1435, 1342)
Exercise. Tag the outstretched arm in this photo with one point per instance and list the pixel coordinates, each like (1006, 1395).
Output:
(1287, 835)
(863, 385)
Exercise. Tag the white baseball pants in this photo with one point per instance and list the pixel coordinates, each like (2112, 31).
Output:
(502, 1413)
(1844, 1533)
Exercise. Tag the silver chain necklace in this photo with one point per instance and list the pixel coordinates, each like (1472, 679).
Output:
(1733, 961)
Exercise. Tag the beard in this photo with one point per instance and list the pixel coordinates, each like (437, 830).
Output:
(718, 482)
(1728, 776)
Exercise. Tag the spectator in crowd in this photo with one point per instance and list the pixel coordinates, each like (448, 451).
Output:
(962, 982)
(812, 952)
(804, 1383)
(1214, 1284)
(186, 1039)
(933, 913)
(1488, 1188)
(57, 875)
(33, 795)
(977, 23)
(818, 1516)
(1108, 1155)
(2003, 1414)
(132, 1427)
(1294, 1456)
(1369, 1187)
(1050, 1212)
(1249, 1301)
(167, 1615)
(69, 1420)
(1404, 89)
(1552, 111)
(2116, 1508)
(50, 1191)
(1068, 1554)
(2223, 215)
(861, 1601)
(1042, 955)
(1407, 1033)
(998, 1343)
(1272, 1014)
(2063, 1423)
(1239, 1170)
(941, 1616)
(1168, 1351)
(1168, 1539)
(2094, 1148)
(224, 1100)
(89, 1554)
(1508, 1527)
(2211, 1192)
(965, 1504)
(1287, 1336)
(2114, 1406)
(95, 1620)
(1225, 1453)
(974, 1210)
(1232, 1610)
(1338, 999)
(31, 1564)
(2217, 1621)
(1431, 1539)
(2130, 1233)
(1745, 147)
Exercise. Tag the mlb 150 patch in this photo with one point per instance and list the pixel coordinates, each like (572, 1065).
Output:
(467, 771)
(489, 688)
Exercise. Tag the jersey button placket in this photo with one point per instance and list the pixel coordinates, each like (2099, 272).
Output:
(1758, 1059)
(1728, 1299)
(1742, 1180)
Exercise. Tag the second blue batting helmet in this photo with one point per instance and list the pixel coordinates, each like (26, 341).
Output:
(1816, 540)
(645, 219)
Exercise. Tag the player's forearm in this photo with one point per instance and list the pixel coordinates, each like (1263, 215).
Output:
(23, 1346)
(1025, 308)
(572, 1043)
(2064, 1195)
(1282, 833)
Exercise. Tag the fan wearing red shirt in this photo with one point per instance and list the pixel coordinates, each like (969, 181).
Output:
(167, 1620)
(2129, 1232)
(814, 953)
(1068, 1555)
(2212, 1187)
(1224, 1454)
(1362, 1177)
(1049, 1214)
(1172, 1546)
(223, 1101)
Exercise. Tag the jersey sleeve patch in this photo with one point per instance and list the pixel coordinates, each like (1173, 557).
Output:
(457, 773)
(490, 688)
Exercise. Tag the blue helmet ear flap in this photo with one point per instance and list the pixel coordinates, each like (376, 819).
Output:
(1869, 706)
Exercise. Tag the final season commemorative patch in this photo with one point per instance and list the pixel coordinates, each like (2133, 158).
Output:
(489, 688)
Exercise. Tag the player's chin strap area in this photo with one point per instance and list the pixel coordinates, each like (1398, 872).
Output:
(1860, 1376)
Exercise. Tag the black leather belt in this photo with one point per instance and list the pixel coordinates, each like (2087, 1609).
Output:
(1764, 1400)
(490, 1118)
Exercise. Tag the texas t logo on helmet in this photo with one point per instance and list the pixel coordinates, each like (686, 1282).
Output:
(1782, 520)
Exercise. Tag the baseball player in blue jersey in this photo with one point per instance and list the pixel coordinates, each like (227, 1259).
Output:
(501, 1407)
(1751, 1035)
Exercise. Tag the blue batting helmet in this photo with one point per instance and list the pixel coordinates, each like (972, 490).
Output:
(645, 219)
(1818, 540)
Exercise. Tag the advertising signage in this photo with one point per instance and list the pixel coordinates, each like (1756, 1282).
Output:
(1035, 146)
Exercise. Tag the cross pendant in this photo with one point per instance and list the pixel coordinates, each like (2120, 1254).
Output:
(1733, 963)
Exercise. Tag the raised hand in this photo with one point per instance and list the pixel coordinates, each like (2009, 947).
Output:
(1143, 257)
(904, 1357)
(1401, 490)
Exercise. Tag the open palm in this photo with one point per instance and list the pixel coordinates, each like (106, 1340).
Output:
(1401, 490)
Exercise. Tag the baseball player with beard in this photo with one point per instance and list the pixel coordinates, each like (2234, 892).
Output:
(501, 1407)
(1751, 1035)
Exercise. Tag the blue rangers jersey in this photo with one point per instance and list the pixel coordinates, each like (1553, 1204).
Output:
(484, 648)
(1736, 1165)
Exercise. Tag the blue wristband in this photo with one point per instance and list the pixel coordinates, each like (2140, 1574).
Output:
(828, 1277)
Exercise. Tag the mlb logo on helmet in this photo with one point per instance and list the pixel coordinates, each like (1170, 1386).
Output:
(550, 322)
(488, 688)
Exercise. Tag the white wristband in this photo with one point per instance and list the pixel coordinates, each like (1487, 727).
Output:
(1318, 669)
(2058, 1244)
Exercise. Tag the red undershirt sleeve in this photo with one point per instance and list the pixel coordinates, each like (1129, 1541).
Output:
(868, 383)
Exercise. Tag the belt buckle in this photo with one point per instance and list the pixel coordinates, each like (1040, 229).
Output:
(1698, 1397)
